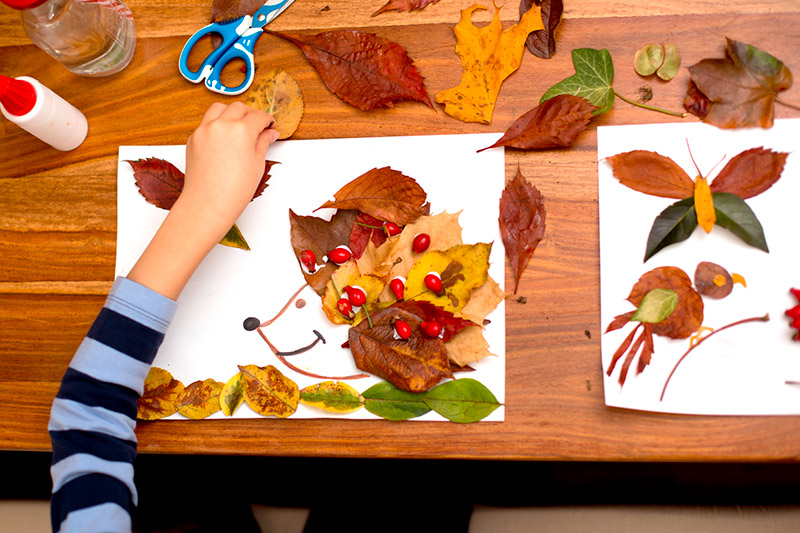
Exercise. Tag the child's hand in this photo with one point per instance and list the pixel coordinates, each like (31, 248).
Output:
(224, 163)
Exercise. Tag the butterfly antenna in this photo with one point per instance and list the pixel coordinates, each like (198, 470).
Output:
(692, 157)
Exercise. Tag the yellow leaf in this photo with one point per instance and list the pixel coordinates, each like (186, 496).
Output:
(333, 396)
(348, 274)
(200, 399)
(468, 346)
(463, 268)
(279, 95)
(483, 301)
(704, 204)
(231, 396)
(160, 395)
(488, 56)
(235, 239)
(268, 392)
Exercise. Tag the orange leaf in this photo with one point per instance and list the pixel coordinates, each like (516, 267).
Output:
(488, 56)
(688, 314)
(160, 395)
(651, 173)
(704, 204)
(750, 173)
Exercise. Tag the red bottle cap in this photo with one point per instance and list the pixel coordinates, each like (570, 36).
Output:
(23, 4)
(17, 96)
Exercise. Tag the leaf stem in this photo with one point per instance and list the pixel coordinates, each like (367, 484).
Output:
(368, 225)
(651, 108)
(787, 103)
(764, 318)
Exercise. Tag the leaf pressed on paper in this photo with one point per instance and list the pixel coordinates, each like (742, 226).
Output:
(200, 399)
(320, 236)
(451, 324)
(522, 223)
(413, 365)
(542, 43)
(735, 215)
(741, 88)
(674, 224)
(160, 395)
(383, 193)
(712, 280)
(333, 396)
(387, 401)
(235, 239)
(555, 123)
(652, 174)
(488, 56)
(268, 392)
(404, 5)
(656, 305)
(232, 395)
(278, 94)
(687, 316)
(750, 173)
(468, 346)
(462, 400)
(363, 69)
(594, 73)
(349, 274)
(704, 204)
(365, 229)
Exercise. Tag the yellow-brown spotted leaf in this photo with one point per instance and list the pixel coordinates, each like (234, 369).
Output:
(333, 396)
(268, 392)
(232, 395)
(200, 399)
(278, 94)
(161, 393)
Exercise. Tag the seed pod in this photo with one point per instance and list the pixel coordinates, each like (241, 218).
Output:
(421, 243)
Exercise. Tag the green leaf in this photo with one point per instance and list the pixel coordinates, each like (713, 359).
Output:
(735, 215)
(389, 402)
(333, 396)
(235, 239)
(656, 305)
(462, 400)
(594, 72)
(675, 224)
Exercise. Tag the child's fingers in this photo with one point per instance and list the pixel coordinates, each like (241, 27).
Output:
(213, 112)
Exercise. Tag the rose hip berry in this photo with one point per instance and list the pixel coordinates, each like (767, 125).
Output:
(344, 307)
(340, 255)
(431, 328)
(421, 243)
(391, 229)
(356, 295)
(397, 286)
(402, 330)
(433, 282)
(309, 261)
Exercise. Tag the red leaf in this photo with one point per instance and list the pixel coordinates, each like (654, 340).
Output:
(364, 70)
(750, 173)
(620, 320)
(696, 102)
(360, 235)
(522, 222)
(404, 5)
(555, 123)
(451, 324)
(262, 185)
(542, 43)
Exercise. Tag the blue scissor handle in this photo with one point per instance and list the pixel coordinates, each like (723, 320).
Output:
(230, 33)
(241, 49)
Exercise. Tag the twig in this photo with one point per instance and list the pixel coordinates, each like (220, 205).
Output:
(787, 103)
(651, 108)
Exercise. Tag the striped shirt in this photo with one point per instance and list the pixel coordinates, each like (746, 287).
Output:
(93, 417)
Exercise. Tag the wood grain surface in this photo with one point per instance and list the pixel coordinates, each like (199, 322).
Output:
(58, 228)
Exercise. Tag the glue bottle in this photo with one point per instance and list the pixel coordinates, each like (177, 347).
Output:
(88, 37)
(38, 110)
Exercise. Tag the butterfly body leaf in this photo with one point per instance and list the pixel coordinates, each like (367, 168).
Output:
(704, 204)
(735, 215)
(674, 224)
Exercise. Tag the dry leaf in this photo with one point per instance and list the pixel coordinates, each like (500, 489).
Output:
(652, 174)
(362, 69)
(483, 301)
(332, 396)
(468, 346)
(404, 5)
(488, 56)
(712, 280)
(750, 172)
(268, 392)
(278, 94)
(687, 316)
(232, 395)
(542, 43)
(365, 229)
(522, 223)
(320, 236)
(160, 395)
(200, 399)
(554, 123)
(348, 274)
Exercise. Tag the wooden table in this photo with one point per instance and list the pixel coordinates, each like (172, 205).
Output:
(58, 224)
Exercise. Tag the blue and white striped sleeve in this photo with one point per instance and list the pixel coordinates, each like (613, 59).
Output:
(93, 417)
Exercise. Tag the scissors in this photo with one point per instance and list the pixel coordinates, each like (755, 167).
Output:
(239, 38)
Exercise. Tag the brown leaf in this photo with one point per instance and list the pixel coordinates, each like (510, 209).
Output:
(750, 173)
(200, 399)
(651, 173)
(404, 5)
(468, 346)
(742, 87)
(160, 395)
(555, 123)
(233, 9)
(688, 314)
(696, 102)
(383, 193)
(712, 280)
(542, 43)
(413, 365)
(522, 223)
(320, 236)
(364, 70)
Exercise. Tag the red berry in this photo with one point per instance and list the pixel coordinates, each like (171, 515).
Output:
(433, 282)
(340, 255)
(402, 329)
(431, 328)
(391, 229)
(309, 261)
(344, 307)
(421, 243)
(397, 286)
(356, 295)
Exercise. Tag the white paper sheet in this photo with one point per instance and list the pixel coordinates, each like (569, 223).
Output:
(740, 371)
(207, 340)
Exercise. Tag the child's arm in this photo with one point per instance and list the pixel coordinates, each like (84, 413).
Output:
(94, 413)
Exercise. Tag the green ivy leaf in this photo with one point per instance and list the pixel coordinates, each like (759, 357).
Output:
(594, 72)
(674, 224)
(389, 402)
(462, 400)
(735, 215)
(656, 306)
(235, 239)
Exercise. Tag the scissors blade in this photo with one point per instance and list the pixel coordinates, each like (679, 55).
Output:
(269, 12)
